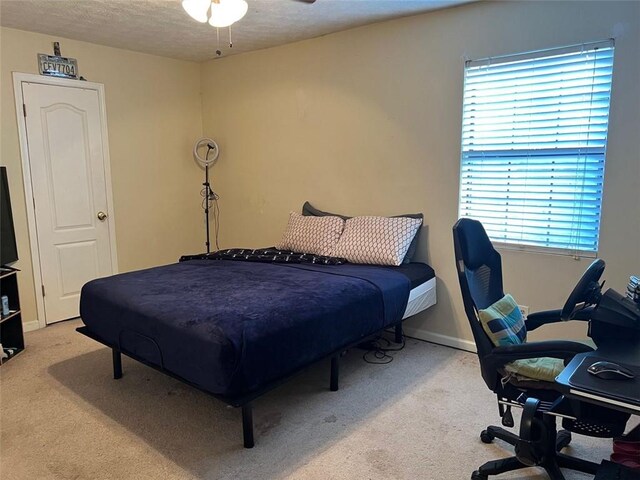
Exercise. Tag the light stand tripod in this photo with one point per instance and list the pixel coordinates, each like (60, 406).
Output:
(209, 196)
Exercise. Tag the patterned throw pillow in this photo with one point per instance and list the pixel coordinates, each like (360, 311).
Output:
(503, 322)
(316, 235)
(376, 240)
(310, 210)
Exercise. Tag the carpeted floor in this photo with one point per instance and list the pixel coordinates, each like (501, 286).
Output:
(64, 417)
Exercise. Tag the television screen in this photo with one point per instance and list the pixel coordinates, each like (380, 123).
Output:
(8, 247)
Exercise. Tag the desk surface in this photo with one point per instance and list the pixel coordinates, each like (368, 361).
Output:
(623, 395)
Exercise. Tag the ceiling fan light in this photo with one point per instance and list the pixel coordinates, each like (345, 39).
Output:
(227, 12)
(197, 9)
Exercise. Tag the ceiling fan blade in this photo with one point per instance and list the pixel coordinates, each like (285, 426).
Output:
(306, 1)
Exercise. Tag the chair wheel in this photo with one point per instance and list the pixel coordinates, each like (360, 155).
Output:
(479, 476)
(486, 437)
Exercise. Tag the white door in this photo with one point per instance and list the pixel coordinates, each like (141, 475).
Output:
(65, 146)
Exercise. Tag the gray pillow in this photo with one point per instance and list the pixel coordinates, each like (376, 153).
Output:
(310, 211)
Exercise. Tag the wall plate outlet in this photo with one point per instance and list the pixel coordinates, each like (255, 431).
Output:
(524, 310)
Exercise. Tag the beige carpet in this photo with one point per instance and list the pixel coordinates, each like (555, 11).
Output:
(64, 417)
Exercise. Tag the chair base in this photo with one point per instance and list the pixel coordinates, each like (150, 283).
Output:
(553, 459)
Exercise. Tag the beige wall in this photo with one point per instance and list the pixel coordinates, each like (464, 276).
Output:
(154, 116)
(368, 121)
(365, 121)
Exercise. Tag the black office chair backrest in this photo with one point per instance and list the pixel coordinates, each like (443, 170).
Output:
(480, 274)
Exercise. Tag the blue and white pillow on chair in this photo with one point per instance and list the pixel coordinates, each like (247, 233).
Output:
(503, 322)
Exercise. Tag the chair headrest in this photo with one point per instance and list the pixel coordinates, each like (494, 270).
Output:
(474, 243)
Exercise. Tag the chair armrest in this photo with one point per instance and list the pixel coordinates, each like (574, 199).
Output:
(563, 349)
(537, 319)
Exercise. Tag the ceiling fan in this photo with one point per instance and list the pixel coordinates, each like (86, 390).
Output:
(220, 14)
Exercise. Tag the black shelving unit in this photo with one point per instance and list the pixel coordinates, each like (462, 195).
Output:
(11, 334)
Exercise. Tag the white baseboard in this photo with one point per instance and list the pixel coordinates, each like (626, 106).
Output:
(440, 339)
(30, 326)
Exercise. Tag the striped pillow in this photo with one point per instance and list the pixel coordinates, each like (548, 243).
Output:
(503, 322)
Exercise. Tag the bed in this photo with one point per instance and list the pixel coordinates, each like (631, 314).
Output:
(237, 329)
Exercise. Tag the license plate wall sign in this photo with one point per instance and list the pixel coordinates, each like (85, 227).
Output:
(56, 66)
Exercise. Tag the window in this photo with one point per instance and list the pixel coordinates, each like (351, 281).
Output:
(534, 137)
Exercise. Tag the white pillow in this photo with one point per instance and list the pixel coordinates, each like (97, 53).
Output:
(376, 240)
(317, 235)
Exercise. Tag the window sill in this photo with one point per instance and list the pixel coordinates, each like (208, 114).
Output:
(559, 252)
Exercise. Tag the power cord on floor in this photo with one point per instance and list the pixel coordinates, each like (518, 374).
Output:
(379, 351)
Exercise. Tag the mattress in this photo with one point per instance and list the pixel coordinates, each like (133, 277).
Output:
(417, 273)
(232, 327)
(421, 297)
(423, 286)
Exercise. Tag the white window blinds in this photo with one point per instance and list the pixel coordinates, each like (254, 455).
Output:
(534, 137)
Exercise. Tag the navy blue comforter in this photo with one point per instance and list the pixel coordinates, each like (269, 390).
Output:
(233, 327)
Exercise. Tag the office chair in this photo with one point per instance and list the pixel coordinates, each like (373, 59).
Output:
(539, 443)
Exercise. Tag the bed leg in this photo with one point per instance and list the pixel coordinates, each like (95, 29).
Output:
(399, 333)
(335, 373)
(247, 425)
(117, 363)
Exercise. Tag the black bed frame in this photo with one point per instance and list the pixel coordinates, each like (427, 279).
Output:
(245, 401)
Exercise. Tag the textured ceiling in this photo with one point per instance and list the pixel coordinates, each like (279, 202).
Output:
(161, 27)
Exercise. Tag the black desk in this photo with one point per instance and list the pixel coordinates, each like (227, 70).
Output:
(622, 395)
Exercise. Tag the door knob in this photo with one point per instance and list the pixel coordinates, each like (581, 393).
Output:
(102, 216)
